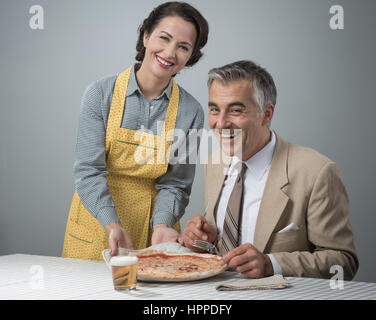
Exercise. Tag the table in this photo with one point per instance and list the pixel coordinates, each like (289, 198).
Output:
(29, 277)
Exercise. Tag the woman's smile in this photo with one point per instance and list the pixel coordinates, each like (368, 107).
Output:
(164, 63)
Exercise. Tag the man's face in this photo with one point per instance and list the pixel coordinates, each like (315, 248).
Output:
(231, 107)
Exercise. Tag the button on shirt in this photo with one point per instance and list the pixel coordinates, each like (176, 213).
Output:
(255, 177)
(174, 187)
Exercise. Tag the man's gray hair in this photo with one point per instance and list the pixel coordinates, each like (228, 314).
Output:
(265, 92)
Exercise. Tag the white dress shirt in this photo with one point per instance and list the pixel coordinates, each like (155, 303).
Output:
(254, 184)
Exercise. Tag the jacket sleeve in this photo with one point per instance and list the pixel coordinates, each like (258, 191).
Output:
(328, 229)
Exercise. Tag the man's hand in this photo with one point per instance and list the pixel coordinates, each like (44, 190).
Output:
(250, 262)
(198, 228)
(118, 237)
(162, 233)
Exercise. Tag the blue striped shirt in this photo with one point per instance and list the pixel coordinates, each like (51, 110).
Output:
(174, 187)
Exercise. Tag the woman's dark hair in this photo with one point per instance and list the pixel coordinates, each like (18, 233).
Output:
(183, 10)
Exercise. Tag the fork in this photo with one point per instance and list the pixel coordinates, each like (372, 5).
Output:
(206, 246)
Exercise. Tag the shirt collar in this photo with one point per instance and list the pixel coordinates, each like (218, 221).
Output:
(259, 163)
(133, 86)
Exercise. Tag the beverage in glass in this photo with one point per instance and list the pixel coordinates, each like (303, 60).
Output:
(124, 272)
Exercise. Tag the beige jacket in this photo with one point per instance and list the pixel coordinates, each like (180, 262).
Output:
(304, 188)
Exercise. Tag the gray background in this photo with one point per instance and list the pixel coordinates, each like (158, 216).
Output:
(325, 82)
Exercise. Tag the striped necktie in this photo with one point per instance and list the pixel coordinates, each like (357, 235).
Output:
(232, 224)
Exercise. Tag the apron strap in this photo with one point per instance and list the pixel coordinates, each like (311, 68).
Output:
(117, 106)
(166, 137)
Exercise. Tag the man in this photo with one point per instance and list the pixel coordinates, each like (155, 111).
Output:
(281, 208)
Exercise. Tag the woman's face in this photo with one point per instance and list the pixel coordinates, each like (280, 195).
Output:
(169, 47)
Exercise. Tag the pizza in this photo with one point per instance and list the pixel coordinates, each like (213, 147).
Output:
(172, 266)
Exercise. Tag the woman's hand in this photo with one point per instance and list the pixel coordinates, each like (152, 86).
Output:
(162, 233)
(118, 237)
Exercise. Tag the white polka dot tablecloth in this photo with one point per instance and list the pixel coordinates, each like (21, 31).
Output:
(29, 277)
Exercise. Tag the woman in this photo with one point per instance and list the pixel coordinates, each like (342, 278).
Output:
(120, 201)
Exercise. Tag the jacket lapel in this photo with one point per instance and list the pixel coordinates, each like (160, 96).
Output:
(274, 200)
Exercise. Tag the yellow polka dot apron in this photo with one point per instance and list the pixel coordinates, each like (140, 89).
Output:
(134, 161)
